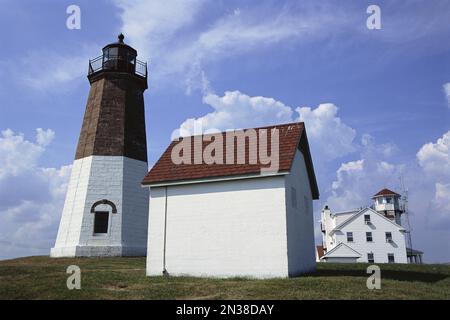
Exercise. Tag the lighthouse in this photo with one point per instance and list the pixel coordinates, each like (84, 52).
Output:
(106, 210)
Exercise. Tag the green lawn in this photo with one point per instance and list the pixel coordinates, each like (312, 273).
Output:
(124, 278)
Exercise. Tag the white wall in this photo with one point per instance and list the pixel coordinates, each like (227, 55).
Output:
(116, 179)
(300, 219)
(220, 229)
(379, 246)
(340, 260)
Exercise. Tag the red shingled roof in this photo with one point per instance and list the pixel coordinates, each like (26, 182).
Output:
(292, 136)
(386, 192)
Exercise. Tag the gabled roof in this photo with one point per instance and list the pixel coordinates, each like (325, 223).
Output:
(385, 192)
(353, 217)
(342, 251)
(346, 212)
(292, 137)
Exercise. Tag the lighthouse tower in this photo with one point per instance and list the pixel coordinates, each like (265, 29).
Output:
(106, 210)
(388, 203)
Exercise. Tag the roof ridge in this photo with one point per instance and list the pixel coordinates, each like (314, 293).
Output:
(243, 129)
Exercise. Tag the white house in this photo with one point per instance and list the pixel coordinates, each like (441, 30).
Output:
(372, 234)
(226, 220)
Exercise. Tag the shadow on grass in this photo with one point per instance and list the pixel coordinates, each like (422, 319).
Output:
(399, 275)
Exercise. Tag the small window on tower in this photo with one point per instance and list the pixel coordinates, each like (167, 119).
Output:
(101, 222)
(389, 200)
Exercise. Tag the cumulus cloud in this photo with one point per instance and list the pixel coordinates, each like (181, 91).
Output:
(235, 110)
(17, 154)
(333, 137)
(44, 137)
(447, 92)
(357, 181)
(434, 158)
(31, 196)
(441, 203)
(329, 137)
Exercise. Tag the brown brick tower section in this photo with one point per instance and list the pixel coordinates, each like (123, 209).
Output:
(114, 120)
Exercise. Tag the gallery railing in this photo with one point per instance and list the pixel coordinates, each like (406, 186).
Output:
(118, 63)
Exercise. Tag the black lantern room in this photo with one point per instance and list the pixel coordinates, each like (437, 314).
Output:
(118, 57)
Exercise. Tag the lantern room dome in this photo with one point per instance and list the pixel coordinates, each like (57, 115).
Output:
(124, 48)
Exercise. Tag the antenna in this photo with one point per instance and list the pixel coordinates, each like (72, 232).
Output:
(406, 213)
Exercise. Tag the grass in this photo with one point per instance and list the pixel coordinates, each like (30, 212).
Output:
(124, 278)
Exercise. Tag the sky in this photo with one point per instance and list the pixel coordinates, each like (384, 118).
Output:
(375, 102)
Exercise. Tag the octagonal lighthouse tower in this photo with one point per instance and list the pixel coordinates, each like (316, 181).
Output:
(106, 209)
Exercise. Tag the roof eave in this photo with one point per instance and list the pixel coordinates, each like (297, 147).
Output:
(212, 179)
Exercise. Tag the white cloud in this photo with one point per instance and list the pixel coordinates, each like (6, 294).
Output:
(236, 110)
(58, 70)
(332, 137)
(44, 137)
(168, 34)
(43, 70)
(434, 158)
(441, 203)
(150, 25)
(329, 137)
(17, 154)
(447, 92)
(357, 181)
(31, 197)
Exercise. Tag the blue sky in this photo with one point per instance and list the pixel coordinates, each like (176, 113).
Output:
(374, 101)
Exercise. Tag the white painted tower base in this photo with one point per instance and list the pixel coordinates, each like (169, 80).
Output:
(116, 179)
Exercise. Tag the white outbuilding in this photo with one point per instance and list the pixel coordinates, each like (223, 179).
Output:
(225, 219)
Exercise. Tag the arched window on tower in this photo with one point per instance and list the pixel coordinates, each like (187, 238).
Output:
(101, 210)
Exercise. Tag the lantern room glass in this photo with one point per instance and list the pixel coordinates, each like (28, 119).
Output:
(119, 58)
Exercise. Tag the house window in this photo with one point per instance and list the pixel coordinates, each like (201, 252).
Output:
(389, 200)
(388, 236)
(367, 218)
(391, 258)
(369, 237)
(349, 236)
(294, 197)
(370, 258)
(101, 222)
